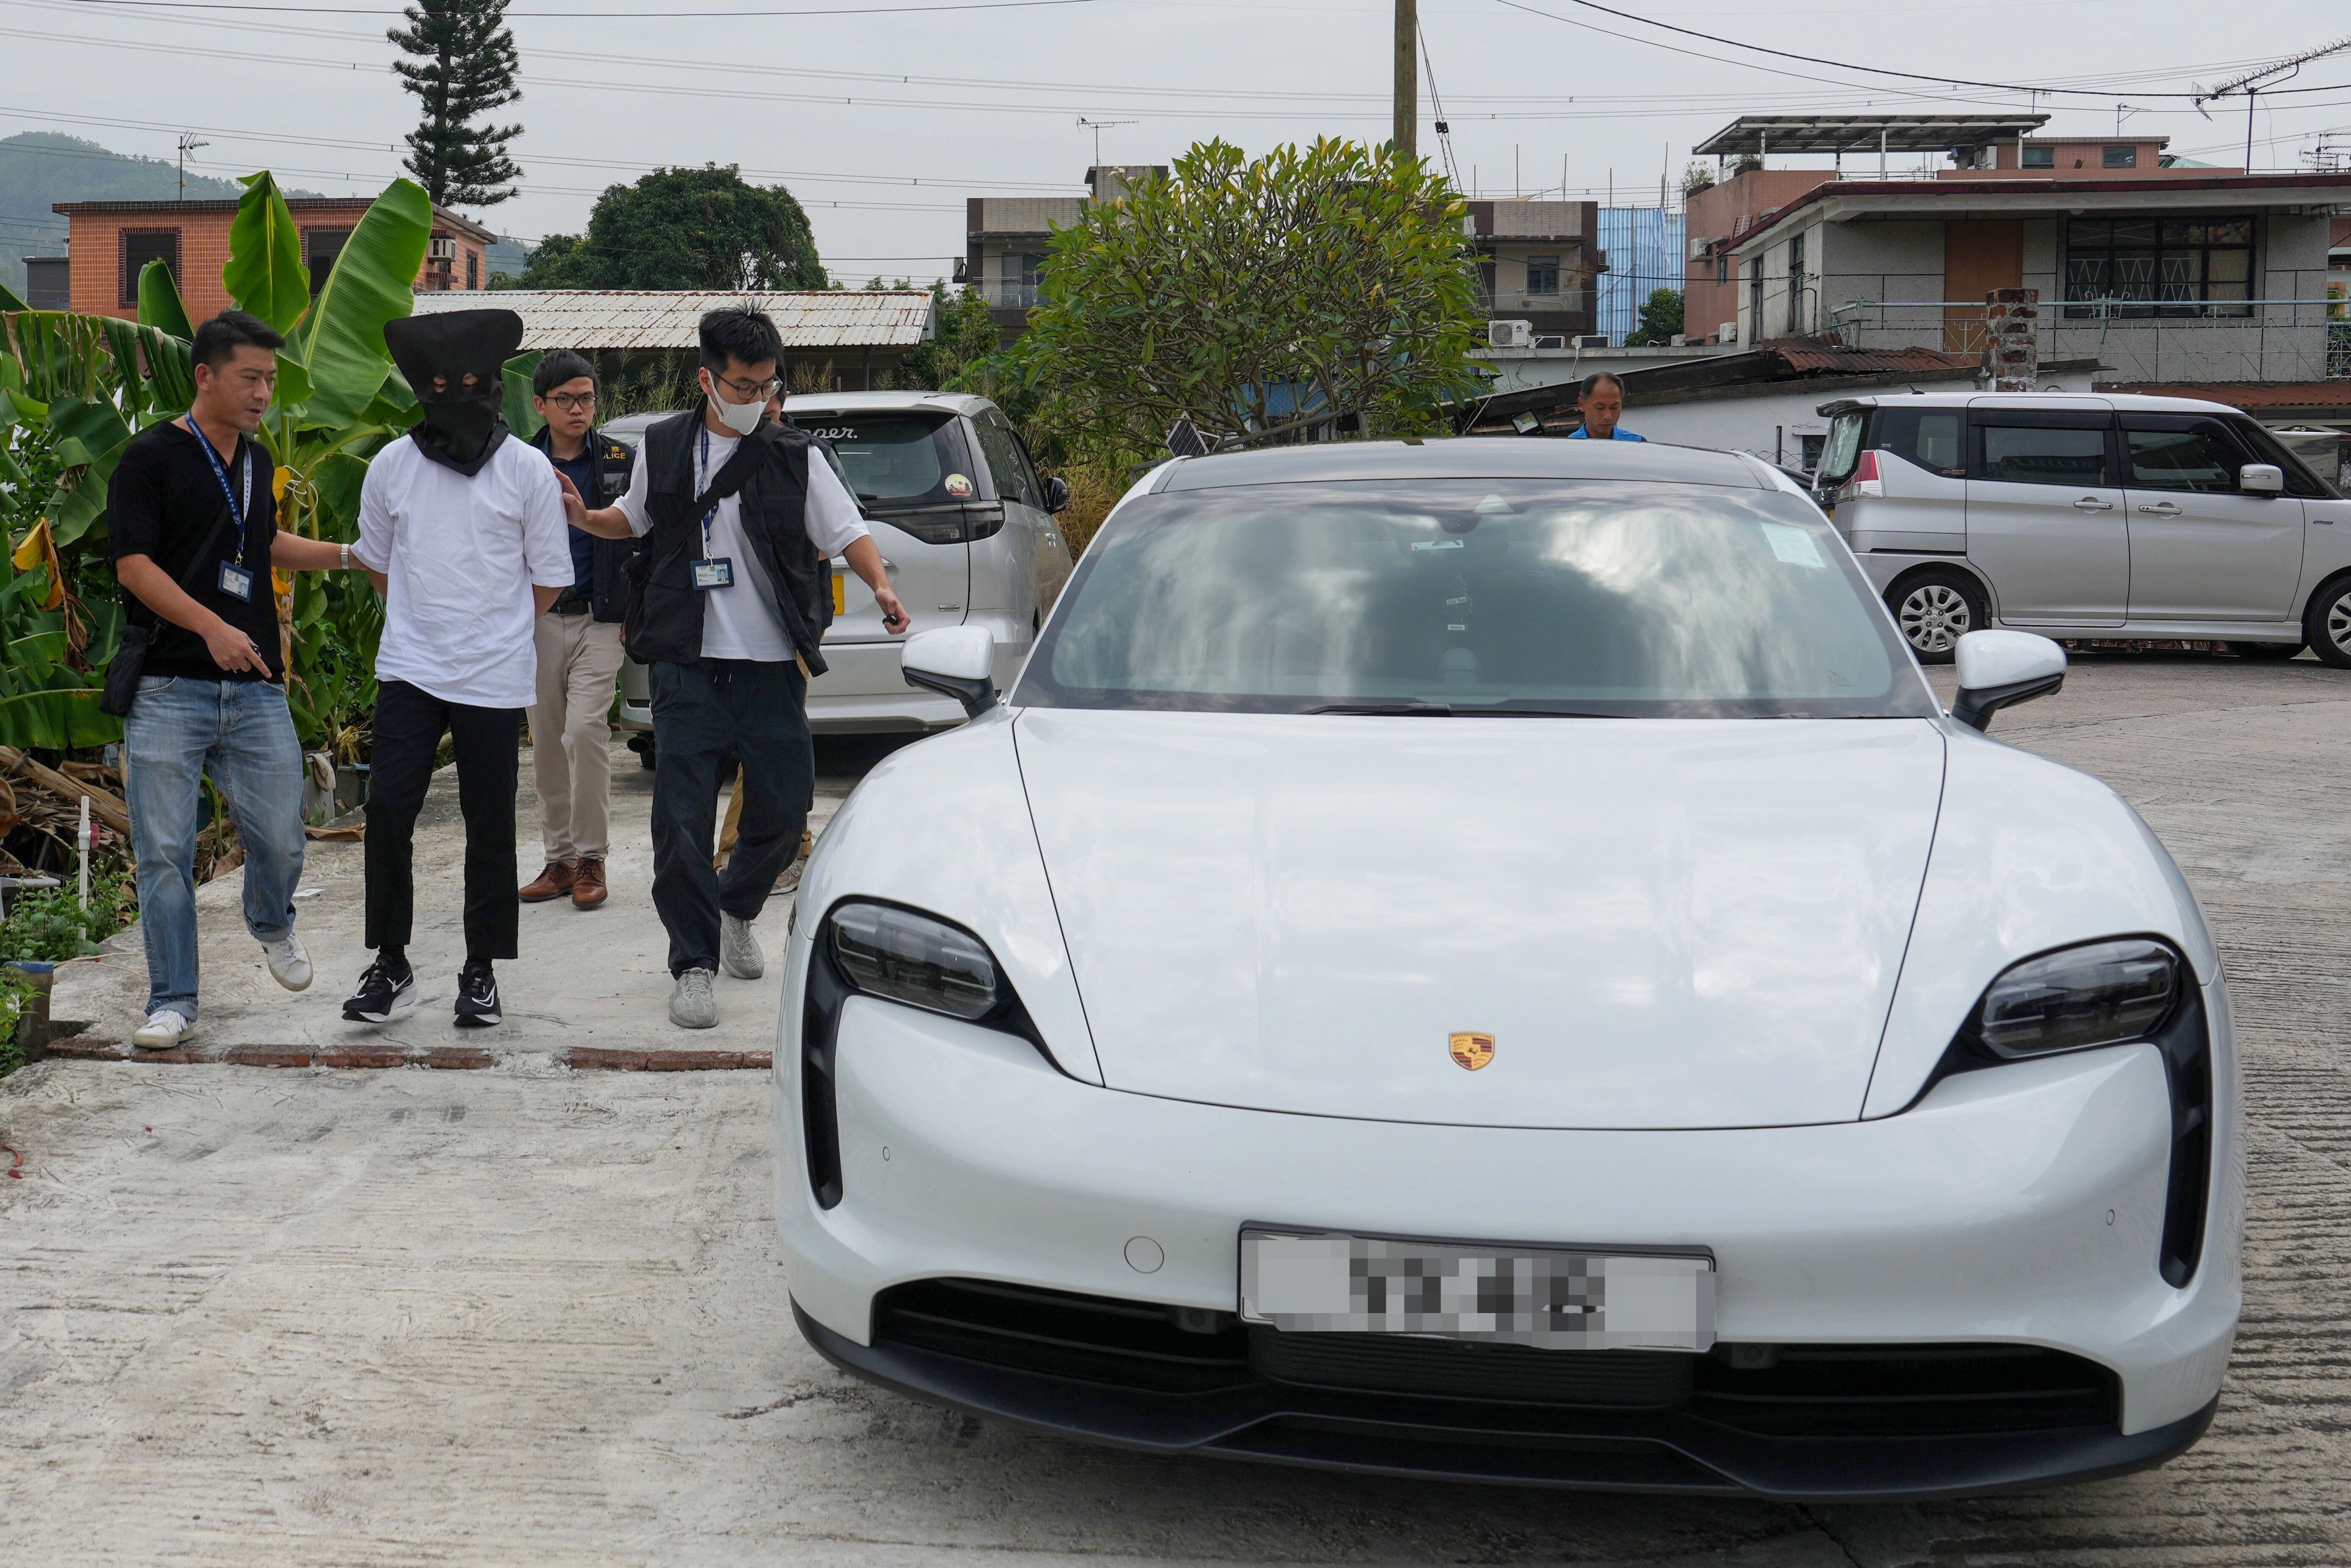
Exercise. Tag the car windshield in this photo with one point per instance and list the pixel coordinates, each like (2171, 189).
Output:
(895, 457)
(1474, 596)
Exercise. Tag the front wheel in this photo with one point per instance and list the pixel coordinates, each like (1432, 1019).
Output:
(1935, 609)
(2326, 624)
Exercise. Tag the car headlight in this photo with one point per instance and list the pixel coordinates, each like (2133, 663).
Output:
(899, 955)
(2102, 993)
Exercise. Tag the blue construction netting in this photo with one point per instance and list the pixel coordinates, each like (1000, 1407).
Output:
(1646, 248)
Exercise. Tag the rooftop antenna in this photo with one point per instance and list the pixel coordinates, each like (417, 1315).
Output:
(1097, 127)
(188, 143)
(2252, 81)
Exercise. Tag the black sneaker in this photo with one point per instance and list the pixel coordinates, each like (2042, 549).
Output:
(477, 995)
(387, 991)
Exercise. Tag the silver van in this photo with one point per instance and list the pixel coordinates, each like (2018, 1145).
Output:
(2088, 516)
(965, 523)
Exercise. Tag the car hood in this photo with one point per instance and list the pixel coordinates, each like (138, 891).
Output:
(1660, 924)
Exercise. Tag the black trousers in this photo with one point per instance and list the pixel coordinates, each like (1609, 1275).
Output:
(409, 723)
(705, 715)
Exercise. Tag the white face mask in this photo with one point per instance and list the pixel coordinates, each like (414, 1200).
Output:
(742, 418)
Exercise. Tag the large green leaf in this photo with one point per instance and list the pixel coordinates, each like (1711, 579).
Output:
(169, 385)
(159, 301)
(264, 274)
(339, 345)
(521, 410)
(12, 300)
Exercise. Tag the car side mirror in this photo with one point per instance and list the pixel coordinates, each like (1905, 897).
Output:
(954, 661)
(2001, 669)
(2262, 480)
(1057, 494)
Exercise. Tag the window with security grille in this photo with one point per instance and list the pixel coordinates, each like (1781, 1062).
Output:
(2040, 158)
(2118, 157)
(1542, 274)
(2160, 266)
(141, 246)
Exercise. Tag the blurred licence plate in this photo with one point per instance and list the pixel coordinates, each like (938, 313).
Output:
(1587, 1301)
(840, 593)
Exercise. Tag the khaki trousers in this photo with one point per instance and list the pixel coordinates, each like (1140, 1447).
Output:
(571, 733)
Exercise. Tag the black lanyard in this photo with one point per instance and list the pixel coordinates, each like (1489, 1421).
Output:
(701, 462)
(244, 481)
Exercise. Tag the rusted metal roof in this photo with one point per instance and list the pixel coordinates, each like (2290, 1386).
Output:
(1809, 357)
(2249, 395)
(809, 319)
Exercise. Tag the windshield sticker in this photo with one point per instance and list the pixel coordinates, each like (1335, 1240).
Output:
(1437, 544)
(959, 486)
(1793, 546)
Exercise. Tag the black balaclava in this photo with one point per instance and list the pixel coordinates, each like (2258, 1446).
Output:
(462, 426)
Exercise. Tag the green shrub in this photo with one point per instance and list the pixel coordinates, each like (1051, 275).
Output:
(47, 926)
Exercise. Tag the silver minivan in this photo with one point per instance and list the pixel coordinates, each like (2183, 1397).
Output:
(965, 523)
(2088, 516)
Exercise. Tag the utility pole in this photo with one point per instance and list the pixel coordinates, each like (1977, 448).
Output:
(188, 143)
(1407, 78)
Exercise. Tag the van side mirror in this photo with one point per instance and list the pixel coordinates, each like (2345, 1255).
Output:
(2001, 669)
(958, 662)
(1057, 494)
(2262, 480)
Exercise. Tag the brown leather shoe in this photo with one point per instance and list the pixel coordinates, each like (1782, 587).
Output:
(588, 889)
(553, 883)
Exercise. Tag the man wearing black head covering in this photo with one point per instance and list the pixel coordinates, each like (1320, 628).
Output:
(461, 530)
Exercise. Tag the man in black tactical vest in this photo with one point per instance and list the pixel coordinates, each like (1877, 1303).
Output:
(728, 604)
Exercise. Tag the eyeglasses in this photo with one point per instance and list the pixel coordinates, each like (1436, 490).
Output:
(571, 403)
(750, 391)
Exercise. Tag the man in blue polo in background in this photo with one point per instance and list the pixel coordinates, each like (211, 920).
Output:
(1601, 401)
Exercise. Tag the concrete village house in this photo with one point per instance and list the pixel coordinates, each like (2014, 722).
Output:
(107, 244)
(1538, 262)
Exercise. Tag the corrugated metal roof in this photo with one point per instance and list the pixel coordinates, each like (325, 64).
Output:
(1806, 358)
(809, 319)
(2248, 396)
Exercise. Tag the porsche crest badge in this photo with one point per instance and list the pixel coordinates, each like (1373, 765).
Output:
(1473, 1051)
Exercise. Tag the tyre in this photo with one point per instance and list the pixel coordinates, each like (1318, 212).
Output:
(1935, 609)
(2326, 624)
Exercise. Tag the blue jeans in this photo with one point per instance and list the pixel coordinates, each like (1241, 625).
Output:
(239, 731)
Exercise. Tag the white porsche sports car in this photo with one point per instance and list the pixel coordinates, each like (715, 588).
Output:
(1486, 960)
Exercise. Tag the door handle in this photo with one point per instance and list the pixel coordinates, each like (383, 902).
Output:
(2161, 510)
(2092, 504)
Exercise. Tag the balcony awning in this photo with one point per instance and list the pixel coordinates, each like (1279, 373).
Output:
(1765, 133)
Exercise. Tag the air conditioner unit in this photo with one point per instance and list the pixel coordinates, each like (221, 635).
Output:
(1727, 333)
(1680, 340)
(1510, 334)
(1592, 341)
(1551, 340)
(443, 248)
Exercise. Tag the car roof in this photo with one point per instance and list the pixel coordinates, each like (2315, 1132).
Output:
(1468, 457)
(853, 402)
(2129, 403)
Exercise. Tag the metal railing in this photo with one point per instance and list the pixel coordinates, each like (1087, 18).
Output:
(2136, 340)
(1003, 296)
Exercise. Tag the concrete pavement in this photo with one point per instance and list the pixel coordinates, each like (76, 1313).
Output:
(532, 1316)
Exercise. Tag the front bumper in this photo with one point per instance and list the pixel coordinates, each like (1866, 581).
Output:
(2018, 1207)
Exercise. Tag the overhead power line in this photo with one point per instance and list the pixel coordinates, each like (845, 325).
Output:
(1850, 65)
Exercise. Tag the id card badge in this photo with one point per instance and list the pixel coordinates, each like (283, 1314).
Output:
(718, 571)
(237, 581)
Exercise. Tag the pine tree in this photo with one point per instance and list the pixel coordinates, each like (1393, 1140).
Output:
(463, 68)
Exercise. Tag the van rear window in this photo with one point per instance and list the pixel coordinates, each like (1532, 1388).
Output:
(1932, 438)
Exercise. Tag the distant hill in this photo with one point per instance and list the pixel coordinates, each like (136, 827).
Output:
(39, 167)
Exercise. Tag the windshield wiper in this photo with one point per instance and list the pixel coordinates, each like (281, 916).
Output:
(1388, 710)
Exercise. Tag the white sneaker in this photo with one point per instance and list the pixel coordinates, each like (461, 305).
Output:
(738, 950)
(163, 1030)
(289, 966)
(692, 1004)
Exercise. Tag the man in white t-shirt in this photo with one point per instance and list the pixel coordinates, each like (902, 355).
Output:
(462, 529)
(741, 518)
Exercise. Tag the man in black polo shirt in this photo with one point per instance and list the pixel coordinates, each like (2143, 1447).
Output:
(192, 524)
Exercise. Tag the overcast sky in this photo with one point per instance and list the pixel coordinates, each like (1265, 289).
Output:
(996, 95)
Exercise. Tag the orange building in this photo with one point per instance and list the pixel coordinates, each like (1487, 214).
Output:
(107, 244)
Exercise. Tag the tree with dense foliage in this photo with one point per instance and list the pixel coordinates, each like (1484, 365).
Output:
(1323, 289)
(966, 334)
(1661, 319)
(685, 228)
(463, 66)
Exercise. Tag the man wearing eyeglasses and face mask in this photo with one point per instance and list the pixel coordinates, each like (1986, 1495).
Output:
(728, 606)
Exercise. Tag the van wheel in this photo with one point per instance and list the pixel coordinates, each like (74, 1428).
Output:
(2326, 624)
(1935, 609)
